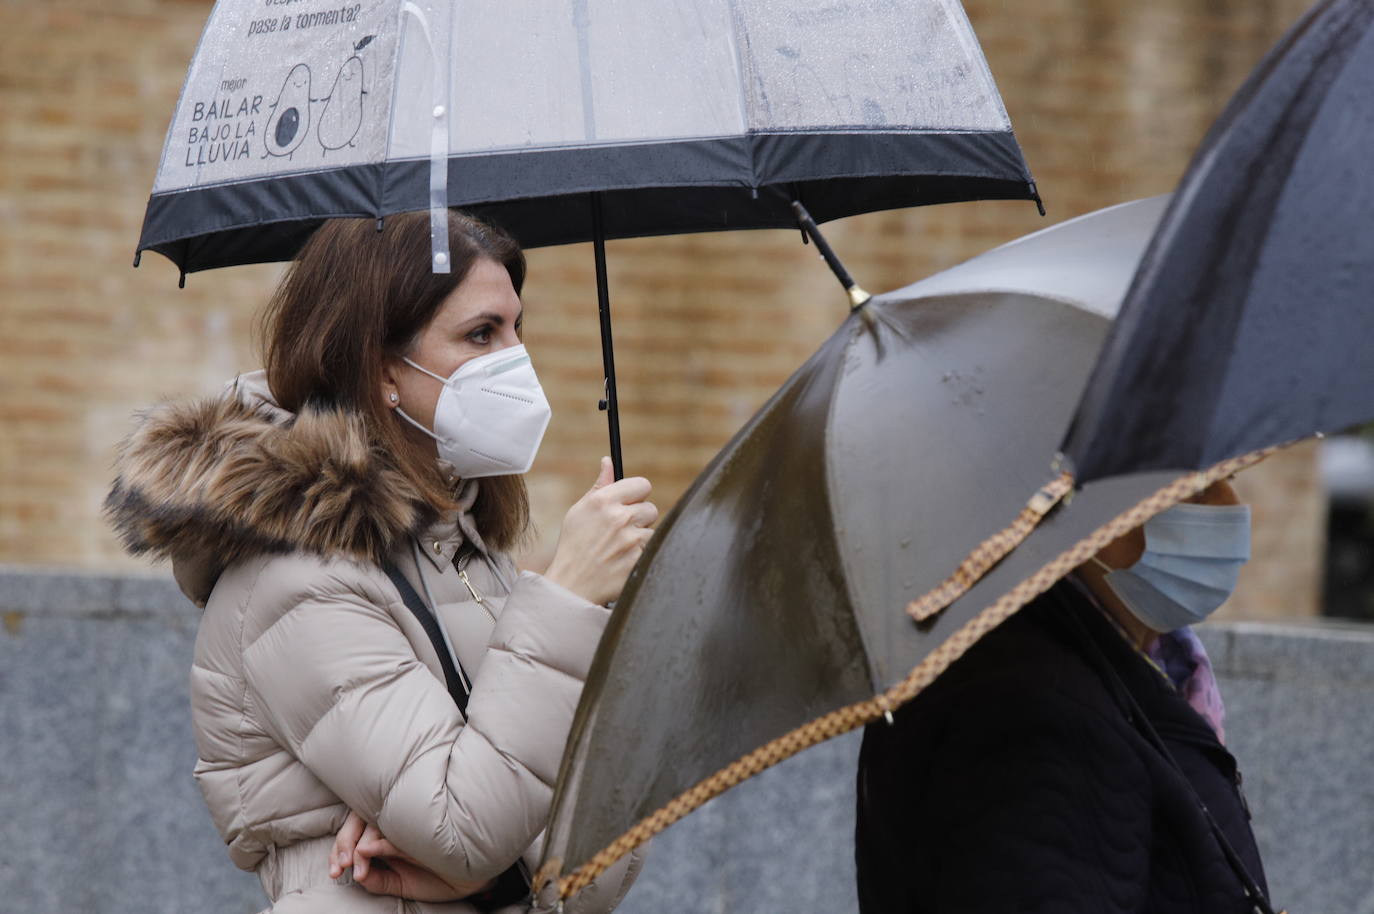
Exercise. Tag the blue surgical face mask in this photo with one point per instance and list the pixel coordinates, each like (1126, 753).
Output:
(1192, 559)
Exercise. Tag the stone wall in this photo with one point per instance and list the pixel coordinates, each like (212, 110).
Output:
(98, 811)
(1108, 98)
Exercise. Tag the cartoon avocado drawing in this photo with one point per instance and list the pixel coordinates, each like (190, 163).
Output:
(289, 121)
(343, 107)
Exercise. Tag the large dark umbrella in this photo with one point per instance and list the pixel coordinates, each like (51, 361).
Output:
(1251, 321)
(767, 612)
(568, 121)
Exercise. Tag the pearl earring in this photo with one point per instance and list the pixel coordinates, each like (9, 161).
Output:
(394, 398)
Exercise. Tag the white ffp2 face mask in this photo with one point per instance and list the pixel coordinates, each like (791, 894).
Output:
(491, 414)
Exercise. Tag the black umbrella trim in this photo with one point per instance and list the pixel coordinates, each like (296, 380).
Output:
(745, 182)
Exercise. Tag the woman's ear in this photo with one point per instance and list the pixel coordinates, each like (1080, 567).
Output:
(391, 391)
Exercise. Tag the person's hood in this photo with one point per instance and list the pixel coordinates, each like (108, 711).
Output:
(210, 482)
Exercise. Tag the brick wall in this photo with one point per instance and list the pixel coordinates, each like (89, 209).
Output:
(1108, 100)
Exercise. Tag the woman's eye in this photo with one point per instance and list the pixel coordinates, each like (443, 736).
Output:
(481, 336)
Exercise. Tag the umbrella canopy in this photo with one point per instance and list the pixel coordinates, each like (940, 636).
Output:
(565, 123)
(767, 611)
(1251, 321)
(685, 115)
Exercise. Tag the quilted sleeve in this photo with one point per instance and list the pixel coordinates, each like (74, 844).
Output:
(1036, 805)
(333, 678)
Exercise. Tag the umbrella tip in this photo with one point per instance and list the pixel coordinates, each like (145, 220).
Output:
(181, 281)
(138, 255)
(1035, 195)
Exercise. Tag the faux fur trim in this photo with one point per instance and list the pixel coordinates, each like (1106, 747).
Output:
(221, 478)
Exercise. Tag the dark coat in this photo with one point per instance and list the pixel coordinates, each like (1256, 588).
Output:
(1018, 782)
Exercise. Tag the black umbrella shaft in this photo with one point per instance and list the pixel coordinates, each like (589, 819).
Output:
(832, 260)
(603, 300)
(857, 296)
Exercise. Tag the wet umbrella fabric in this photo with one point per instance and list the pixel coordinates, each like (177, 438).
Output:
(682, 116)
(769, 605)
(1251, 319)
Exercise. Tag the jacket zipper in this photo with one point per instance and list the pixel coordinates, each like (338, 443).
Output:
(476, 597)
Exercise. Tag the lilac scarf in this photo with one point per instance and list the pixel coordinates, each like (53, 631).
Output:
(1183, 659)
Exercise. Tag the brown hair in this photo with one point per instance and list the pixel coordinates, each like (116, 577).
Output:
(358, 294)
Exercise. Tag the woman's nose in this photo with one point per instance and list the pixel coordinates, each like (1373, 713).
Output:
(1218, 493)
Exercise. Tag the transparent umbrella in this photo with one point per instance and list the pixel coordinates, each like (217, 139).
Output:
(567, 121)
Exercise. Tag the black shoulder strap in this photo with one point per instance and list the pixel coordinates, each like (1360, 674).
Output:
(454, 677)
(513, 885)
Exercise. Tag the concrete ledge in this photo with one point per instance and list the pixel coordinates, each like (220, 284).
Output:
(61, 592)
(1286, 652)
(1299, 698)
(98, 810)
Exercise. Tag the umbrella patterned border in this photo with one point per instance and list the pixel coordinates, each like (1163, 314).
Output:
(851, 717)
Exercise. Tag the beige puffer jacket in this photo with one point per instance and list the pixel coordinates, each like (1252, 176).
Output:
(314, 689)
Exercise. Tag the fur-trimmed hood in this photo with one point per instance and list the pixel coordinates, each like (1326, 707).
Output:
(209, 482)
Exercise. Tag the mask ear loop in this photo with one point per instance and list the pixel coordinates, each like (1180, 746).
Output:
(422, 368)
(417, 424)
(406, 416)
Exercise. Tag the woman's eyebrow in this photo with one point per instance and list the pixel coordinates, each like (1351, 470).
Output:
(490, 317)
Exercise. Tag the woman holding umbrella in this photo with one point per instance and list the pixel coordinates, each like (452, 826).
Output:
(344, 518)
(1072, 760)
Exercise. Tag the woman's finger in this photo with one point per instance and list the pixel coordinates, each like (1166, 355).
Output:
(382, 881)
(341, 855)
(627, 491)
(379, 846)
(644, 514)
(405, 879)
(362, 860)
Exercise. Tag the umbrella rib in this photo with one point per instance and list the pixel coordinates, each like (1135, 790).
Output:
(851, 717)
